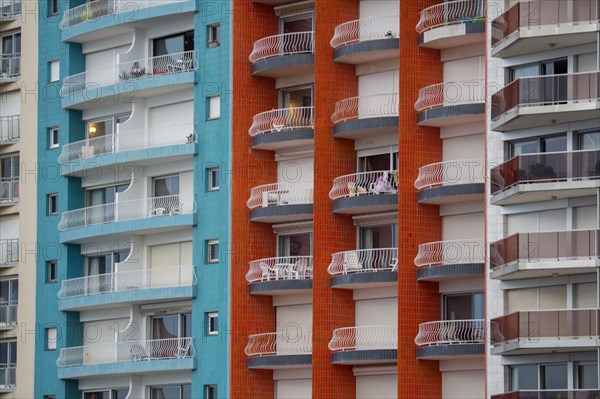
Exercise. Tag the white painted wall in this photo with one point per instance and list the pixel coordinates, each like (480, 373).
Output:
(377, 386)
(552, 220)
(168, 115)
(466, 384)
(294, 319)
(465, 147)
(465, 226)
(98, 334)
(375, 8)
(99, 67)
(464, 69)
(585, 217)
(374, 312)
(378, 83)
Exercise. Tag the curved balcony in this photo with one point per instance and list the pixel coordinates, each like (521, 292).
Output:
(140, 146)
(451, 181)
(366, 116)
(9, 191)
(366, 40)
(10, 68)
(364, 268)
(451, 103)
(546, 176)
(283, 128)
(172, 211)
(550, 394)
(546, 100)
(128, 79)
(365, 192)
(8, 316)
(132, 286)
(364, 345)
(452, 24)
(450, 259)
(532, 25)
(10, 131)
(283, 55)
(9, 252)
(545, 331)
(132, 357)
(450, 339)
(545, 254)
(279, 202)
(279, 350)
(10, 11)
(280, 275)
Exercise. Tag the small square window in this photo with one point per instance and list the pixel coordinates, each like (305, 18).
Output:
(52, 204)
(54, 71)
(212, 251)
(51, 338)
(210, 392)
(214, 35)
(53, 137)
(53, 7)
(213, 178)
(214, 107)
(212, 323)
(49, 397)
(51, 271)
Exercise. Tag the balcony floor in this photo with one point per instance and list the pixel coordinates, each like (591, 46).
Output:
(527, 117)
(126, 368)
(538, 192)
(545, 268)
(537, 345)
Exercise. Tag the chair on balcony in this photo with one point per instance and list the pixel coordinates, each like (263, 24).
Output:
(265, 271)
(352, 262)
(394, 264)
(183, 351)
(138, 352)
(301, 268)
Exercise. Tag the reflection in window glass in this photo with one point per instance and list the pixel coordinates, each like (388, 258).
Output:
(524, 376)
(589, 141)
(587, 376)
(554, 376)
(554, 144)
(373, 237)
(295, 245)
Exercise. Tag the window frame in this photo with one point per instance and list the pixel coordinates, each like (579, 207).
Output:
(52, 135)
(52, 200)
(50, 75)
(47, 345)
(53, 8)
(212, 323)
(210, 391)
(212, 178)
(214, 35)
(211, 243)
(49, 264)
(209, 101)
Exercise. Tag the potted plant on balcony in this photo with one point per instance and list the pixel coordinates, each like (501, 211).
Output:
(87, 15)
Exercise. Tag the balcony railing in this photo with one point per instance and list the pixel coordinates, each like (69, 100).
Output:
(450, 173)
(532, 91)
(364, 338)
(118, 352)
(93, 10)
(120, 211)
(546, 167)
(9, 10)
(283, 119)
(450, 94)
(283, 44)
(551, 394)
(362, 30)
(9, 189)
(280, 268)
(8, 314)
(446, 332)
(365, 183)
(548, 246)
(9, 252)
(363, 260)
(539, 324)
(128, 141)
(533, 14)
(279, 343)
(363, 107)
(10, 66)
(280, 194)
(450, 253)
(452, 13)
(9, 129)
(8, 377)
(167, 64)
(162, 277)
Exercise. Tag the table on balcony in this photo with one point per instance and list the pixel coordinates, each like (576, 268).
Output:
(268, 195)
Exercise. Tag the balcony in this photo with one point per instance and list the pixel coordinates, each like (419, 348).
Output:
(132, 357)
(10, 11)
(535, 25)
(281, 202)
(438, 340)
(452, 24)
(364, 268)
(545, 331)
(532, 255)
(366, 116)
(8, 379)
(168, 212)
(9, 252)
(451, 103)
(546, 100)
(280, 275)
(283, 128)
(135, 78)
(364, 345)
(140, 146)
(367, 40)
(444, 260)
(8, 317)
(9, 129)
(448, 182)
(10, 68)
(133, 286)
(279, 350)
(365, 192)
(551, 394)
(283, 55)
(9, 191)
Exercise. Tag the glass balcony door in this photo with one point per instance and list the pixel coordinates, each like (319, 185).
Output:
(297, 23)
(95, 198)
(294, 245)
(468, 306)
(100, 135)
(382, 236)
(172, 326)
(10, 46)
(165, 192)
(100, 269)
(8, 362)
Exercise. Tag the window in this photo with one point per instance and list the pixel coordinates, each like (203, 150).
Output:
(53, 137)
(214, 107)
(383, 236)
(8, 360)
(212, 178)
(554, 376)
(212, 323)
(556, 143)
(52, 204)
(119, 393)
(588, 140)
(210, 392)
(178, 325)
(49, 396)
(463, 306)
(51, 271)
(51, 338)
(301, 96)
(102, 264)
(9, 298)
(377, 162)
(165, 190)
(53, 7)
(297, 23)
(10, 167)
(103, 131)
(214, 35)
(523, 377)
(587, 375)
(10, 54)
(299, 244)
(173, 44)
(171, 392)
(212, 251)
(54, 71)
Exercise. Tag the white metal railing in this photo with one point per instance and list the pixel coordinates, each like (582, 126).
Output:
(282, 119)
(92, 10)
(130, 70)
(450, 252)
(128, 141)
(128, 210)
(449, 173)
(290, 342)
(451, 93)
(280, 194)
(365, 183)
(10, 66)
(130, 351)
(8, 377)
(9, 128)
(280, 268)
(161, 277)
(361, 30)
(363, 260)
(451, 332)
(9, 9)
(283, 44)
(8, 313)
(364, 338)
(363, 107)
(9, 189)
(451, 13)
(9, 252)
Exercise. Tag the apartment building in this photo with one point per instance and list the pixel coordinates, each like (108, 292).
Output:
(543, 218)
(132, 292)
